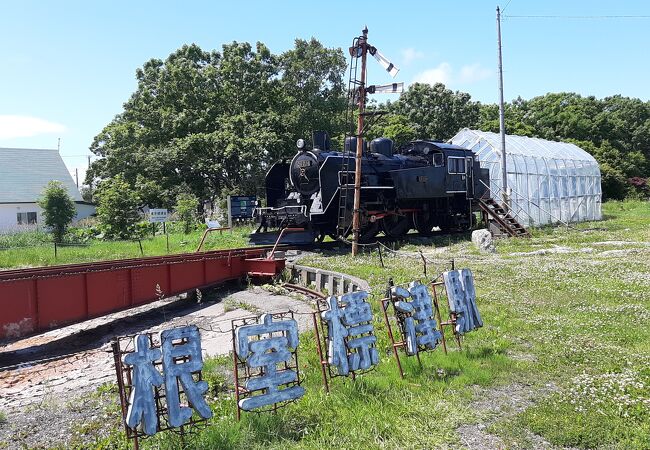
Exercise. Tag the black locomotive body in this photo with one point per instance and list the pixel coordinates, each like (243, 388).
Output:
(422, 185)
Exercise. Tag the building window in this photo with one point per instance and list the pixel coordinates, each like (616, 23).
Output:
(26, 218)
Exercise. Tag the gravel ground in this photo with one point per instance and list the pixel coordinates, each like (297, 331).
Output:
(495, 404)
(69, 399)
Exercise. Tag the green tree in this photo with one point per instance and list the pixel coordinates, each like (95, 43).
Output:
(118, 208)
(393, 126)
(615, 130)
(212, 122)
(436, 112)
(613, 182)
(314, 90)
(186, 210)
(58, 208)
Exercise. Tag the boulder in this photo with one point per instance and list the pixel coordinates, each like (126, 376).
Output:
(483, 241)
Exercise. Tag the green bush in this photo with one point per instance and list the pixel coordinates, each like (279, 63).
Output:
(186, 211)
(118, 208)
(613, 182)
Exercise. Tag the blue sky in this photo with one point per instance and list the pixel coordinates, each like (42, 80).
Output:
(68, 66)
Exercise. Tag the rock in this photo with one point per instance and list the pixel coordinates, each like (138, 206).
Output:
(483, 241)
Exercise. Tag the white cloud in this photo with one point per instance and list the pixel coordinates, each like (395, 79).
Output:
(473, 73)
(445, 73)
(410, 54)
(12, 126)
(440, 74)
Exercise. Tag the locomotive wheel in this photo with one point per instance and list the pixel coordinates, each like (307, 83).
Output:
(369, 232)
(366, 234)
(424, 221)
(395, 226)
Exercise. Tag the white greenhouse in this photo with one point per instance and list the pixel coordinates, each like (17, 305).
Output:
(548, 182)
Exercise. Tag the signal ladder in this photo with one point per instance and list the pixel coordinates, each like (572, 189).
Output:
(344, 221)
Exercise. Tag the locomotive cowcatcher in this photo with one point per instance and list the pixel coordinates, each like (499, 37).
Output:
(421, 185)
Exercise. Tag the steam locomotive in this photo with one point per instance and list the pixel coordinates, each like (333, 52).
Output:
(421, 185)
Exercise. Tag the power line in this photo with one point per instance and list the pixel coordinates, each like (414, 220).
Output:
(504, 8)
(575, 17)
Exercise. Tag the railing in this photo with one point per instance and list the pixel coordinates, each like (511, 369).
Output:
(507, 207)
(286, 210)
(210, 230)
(519, 196)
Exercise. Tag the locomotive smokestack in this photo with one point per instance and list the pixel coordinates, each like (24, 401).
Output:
(320, 140)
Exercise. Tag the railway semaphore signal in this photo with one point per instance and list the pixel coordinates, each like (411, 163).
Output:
(360, 49)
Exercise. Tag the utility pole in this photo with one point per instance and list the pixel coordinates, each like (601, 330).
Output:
(363, 45)
(76, 176)
(502, 123)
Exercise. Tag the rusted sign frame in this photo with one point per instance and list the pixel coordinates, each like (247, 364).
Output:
(452, 316)
(400, 317)
(123, 345)
(243, 373)
(321, 333)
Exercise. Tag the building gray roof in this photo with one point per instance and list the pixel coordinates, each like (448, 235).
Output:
(25, 172)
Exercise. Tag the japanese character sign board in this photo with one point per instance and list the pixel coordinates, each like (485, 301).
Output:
(461, 295)
(414, 309)
(158, 215)
(161, 380)
(266, 362)
(350, 339)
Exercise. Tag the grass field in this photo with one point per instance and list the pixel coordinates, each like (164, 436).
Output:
(562, 361)
(33, 249)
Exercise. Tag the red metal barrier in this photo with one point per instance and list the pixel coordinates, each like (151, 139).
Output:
(39, 299)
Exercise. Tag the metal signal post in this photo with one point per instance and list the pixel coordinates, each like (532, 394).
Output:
(363, 46)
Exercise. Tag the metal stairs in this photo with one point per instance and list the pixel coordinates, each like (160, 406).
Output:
(506, 222)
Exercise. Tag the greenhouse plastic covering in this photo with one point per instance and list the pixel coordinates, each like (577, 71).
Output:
(548, 182)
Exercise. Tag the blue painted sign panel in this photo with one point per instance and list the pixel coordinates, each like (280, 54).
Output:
(181, 358)
(419, 326)
(242, 206)
(462, 299)
(267, 347)
(351, 338)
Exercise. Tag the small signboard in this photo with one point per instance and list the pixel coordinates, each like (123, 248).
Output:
(242, 206)
(158, 215)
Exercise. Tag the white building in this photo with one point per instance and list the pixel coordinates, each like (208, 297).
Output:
(548, 181)
(24, 174)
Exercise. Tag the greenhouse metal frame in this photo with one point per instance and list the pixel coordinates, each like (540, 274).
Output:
(548, 182)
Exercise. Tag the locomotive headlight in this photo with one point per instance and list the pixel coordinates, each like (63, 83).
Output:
(300, 143)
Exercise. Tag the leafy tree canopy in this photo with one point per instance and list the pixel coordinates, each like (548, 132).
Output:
(58, 208)
(118, 208)
(211, 122)
(436, 112)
